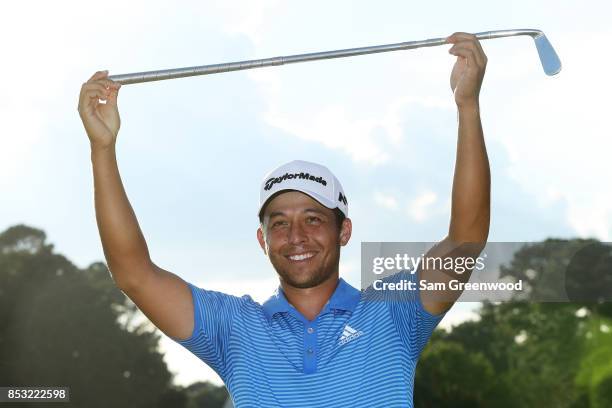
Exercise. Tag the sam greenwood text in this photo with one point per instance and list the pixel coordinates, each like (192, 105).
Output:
(454, 284)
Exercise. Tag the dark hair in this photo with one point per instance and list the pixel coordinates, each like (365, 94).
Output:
(339, 217)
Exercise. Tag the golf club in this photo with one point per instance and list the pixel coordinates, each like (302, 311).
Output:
(548, 57)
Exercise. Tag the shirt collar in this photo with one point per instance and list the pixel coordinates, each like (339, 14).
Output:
(345, 297)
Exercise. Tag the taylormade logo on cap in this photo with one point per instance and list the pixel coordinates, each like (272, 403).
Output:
(310, 178)
(270, 183)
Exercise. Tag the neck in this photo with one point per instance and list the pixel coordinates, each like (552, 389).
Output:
(310, 301)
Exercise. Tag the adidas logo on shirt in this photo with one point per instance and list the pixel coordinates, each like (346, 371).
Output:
(348, 334)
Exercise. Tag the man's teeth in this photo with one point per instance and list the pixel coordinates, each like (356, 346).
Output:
(301, 257)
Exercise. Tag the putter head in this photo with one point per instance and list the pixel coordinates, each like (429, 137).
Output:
(548, 57)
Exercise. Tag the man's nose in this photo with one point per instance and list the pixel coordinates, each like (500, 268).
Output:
(297, 234)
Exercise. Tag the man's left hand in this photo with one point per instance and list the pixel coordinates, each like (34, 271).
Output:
(469, 69)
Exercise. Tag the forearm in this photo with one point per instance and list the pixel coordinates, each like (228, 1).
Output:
(122, 240)
(470, 210)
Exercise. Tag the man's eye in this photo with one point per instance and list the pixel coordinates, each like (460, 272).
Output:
(313, 220)
(278, 223)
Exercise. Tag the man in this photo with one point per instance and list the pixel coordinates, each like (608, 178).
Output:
(317, 341)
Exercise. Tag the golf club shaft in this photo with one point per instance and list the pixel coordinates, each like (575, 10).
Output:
(160, 75)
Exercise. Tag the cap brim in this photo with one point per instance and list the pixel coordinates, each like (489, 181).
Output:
(322, 200)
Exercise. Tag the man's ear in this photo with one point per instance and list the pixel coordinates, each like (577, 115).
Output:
(345, 231)
(261, 239)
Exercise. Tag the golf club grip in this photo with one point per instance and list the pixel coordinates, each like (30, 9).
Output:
(160, 75)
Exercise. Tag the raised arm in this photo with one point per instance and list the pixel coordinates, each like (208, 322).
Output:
(162, 296)
(470, 209)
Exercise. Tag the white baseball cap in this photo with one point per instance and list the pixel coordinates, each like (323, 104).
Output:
(310, 178)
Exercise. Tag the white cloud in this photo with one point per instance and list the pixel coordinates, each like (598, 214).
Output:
(22, 128)
(592, 219)
(553, 128)
(556, 132)
(50, 50)
(386, 201)
(366, 122)
(248, 17)
(420, 207)
(370, 139)
(460, 313)
(335, 127)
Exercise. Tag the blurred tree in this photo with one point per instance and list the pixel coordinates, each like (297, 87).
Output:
(595, 375)
(579, 268)
(206, 395)
(61, 326)
(450, 376)
(540, 354)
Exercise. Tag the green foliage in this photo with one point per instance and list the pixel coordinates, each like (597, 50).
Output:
(204, 395)
(578, 268)
(61, 326)
(601, 392)
(540, 354)
(440, 361)
(595, 374)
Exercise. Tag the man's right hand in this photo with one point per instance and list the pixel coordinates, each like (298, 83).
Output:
(101, 121)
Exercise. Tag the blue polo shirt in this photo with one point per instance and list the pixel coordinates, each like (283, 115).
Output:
(360, 351)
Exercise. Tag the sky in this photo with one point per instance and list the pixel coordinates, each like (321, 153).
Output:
(193, 151)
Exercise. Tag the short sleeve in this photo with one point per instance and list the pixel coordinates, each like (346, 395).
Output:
(214, 315)
(415, 325)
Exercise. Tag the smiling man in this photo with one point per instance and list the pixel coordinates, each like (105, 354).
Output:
(303, 222)
(317, 341)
